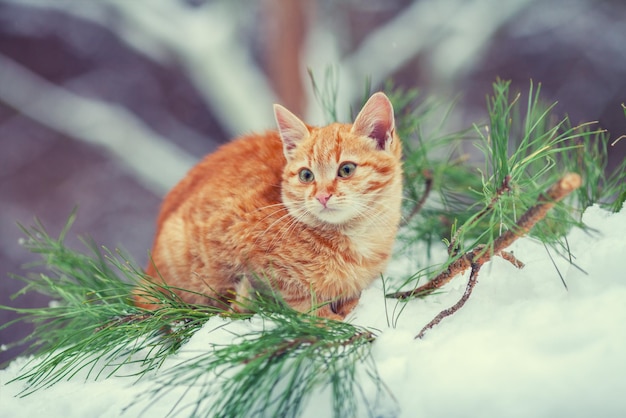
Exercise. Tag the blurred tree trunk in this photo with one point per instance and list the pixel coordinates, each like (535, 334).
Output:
(286, 25)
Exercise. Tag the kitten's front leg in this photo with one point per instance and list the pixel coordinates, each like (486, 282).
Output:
(251, 288)
(247, 291)
(242, 296)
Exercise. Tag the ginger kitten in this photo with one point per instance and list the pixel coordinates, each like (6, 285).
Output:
(313, 210)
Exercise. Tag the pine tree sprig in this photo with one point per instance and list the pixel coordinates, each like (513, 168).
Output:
(481, 254)
(92, 324)
(437, 179)
(327, 93)
(478, 257)
(93, 330)
(523, 155)
(428, 186)
(291, 356)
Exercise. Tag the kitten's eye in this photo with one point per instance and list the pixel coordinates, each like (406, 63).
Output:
(346, 170)
(305, 175)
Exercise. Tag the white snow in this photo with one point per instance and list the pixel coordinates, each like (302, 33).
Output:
(522, 345)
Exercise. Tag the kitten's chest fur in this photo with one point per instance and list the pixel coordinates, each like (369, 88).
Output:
(334, 262)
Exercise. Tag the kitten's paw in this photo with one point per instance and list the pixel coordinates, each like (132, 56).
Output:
(344, 307)
(328, 312)
(333, 316)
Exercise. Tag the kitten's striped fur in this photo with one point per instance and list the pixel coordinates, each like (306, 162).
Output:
(249, 210)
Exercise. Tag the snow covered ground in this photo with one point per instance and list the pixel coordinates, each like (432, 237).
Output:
(522, 345)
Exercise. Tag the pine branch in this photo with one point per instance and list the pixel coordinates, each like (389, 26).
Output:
(556, 193)
(273, 371)
(94, 329)
(296, 343)
(476, 258)
(437, 179)
(480, 255)
(522, 157)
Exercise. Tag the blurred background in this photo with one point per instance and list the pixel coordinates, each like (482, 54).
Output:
(105, 104)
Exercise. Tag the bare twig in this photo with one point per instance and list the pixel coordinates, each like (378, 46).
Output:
(447, 312)
(457, 267)
(96, 122)
(511, 259)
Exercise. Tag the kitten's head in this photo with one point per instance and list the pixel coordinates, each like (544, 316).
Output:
(340, 173)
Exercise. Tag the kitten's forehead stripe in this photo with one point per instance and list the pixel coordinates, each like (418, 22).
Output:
(338, 145)
(326, 150)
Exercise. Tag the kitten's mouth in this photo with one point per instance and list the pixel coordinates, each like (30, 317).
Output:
(332, 215)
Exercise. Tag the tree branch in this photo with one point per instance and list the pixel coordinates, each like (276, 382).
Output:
(477, 257)
(554, 194)
(480, 256)
(309, 340)
(162, 31)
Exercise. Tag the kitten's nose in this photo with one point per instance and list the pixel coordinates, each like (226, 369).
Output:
(323, 198)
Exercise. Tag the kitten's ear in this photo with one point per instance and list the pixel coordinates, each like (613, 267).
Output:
(376, 120)
(291, 129)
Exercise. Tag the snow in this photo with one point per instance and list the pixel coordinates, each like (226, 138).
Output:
(521, 346)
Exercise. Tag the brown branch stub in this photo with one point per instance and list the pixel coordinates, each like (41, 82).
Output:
(457, 267)
(508, 256)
